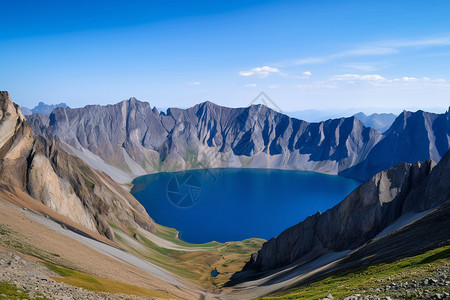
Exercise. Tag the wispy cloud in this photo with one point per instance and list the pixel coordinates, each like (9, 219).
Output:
(260, 72)
(406, 79)
(430, 42)
(365, 66)
(353, 78)
(250, 85)
(372, 49)
(304, 75)
(194, 83)
(366, 51)
(374, 80)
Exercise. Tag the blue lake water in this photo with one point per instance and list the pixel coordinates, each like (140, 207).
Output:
(235, 204)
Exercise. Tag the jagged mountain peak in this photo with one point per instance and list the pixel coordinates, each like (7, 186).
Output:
(8, 107)
(414, 136)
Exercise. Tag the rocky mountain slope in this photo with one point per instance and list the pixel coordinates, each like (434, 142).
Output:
(412, 137)
(134, 138)
(130, 138)
(63, 182)
(380, 122)
(399, 191)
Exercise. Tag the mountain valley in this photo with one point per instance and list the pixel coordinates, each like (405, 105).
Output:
(67, 205)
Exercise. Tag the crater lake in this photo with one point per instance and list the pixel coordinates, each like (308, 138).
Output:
(230, 204)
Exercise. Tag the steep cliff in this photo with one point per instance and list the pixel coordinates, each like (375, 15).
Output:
(377, 203)
(412, 137)
(61, 181)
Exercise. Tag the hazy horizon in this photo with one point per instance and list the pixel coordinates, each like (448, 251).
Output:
(316, 113)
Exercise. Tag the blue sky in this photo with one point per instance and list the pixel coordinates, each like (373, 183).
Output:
(326, 55)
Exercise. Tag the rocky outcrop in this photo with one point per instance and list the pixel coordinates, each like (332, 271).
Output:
(38, 166)
(130, 138)
(377, 203)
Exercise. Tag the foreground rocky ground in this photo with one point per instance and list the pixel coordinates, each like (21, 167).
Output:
(436, 286)
(31, 280)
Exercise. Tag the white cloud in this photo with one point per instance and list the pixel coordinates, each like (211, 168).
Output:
(250, 85)
(353, 78)
(194, 83)
(428, 42)
(365, 67)
(406, 79)
(305, 75)
(260, 72)
(365, 51)
(273, 86)
(375, 80)
(379, 48)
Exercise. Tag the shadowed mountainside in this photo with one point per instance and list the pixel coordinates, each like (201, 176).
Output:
(412, 137)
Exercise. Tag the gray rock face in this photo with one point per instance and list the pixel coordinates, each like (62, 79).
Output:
(412, 137)
(61, 181)
(380, 122)
(135, 139)
(370, 208)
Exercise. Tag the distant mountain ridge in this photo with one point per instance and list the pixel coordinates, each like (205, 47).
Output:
(380, 122)
(130, 138)
(42, 108)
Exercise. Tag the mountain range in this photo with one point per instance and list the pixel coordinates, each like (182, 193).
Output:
(130, 138)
